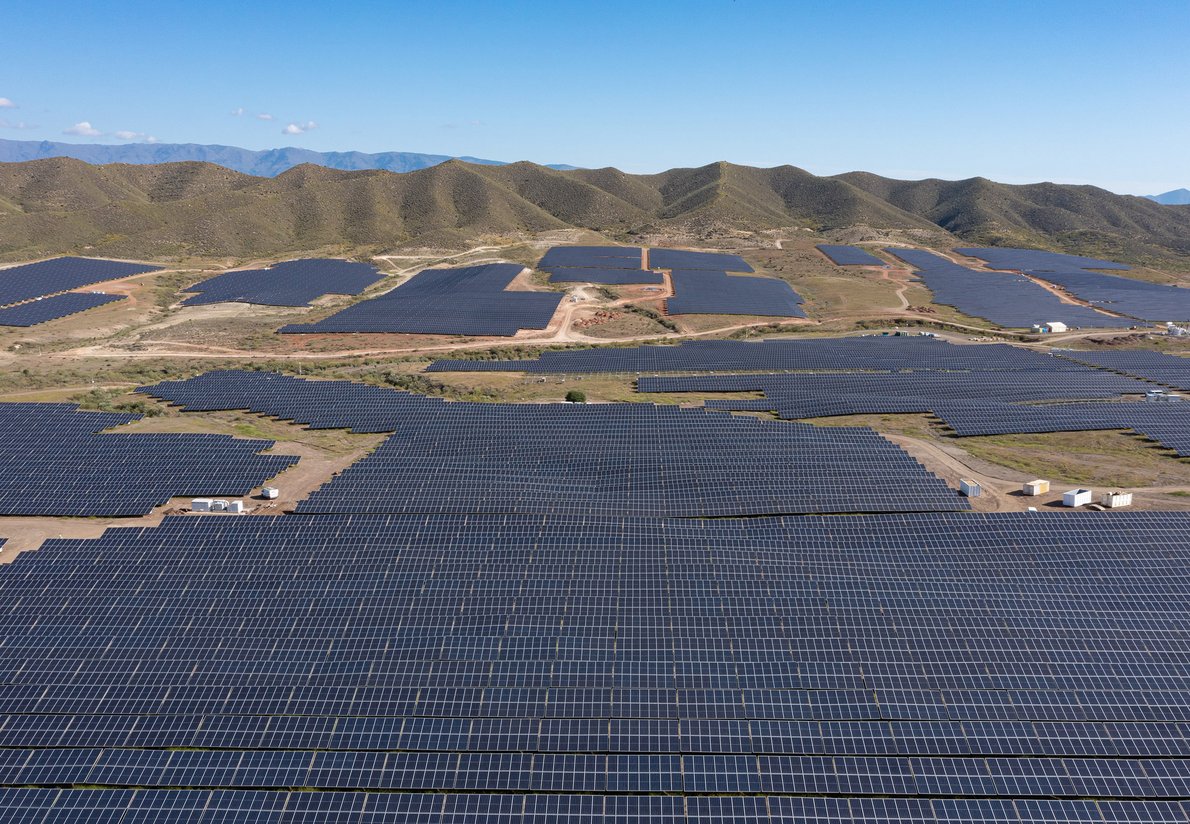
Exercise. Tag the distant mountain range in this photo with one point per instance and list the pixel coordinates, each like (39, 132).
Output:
(1178, 197)
(267, 163)
(177, 210)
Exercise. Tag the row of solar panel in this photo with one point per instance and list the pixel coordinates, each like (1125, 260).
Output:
(866, 354)
(43, 310)
(587, 773)
(1159, 367)
(471, 300)
(1075, 275)
(53, 461)
(291, 283)
(33, 806)
(650, 461)
(1005, 299)
(49, 277)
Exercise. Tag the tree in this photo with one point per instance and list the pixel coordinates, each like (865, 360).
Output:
(576, 396)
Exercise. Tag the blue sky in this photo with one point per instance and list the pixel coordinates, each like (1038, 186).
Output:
(1076, 92)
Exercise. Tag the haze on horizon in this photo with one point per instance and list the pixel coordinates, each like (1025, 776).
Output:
(1018, 92)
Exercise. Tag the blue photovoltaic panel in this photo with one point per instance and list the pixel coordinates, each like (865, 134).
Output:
(1159, 367)
(55, 460)
(54, 307)
(1007, 667)
(871, 353)
(606, 276)
(682, 259)
(470, 300)
(602, 459)
(701, 292)
(48, 277)
(1127, 296)
(1005, 299)
(849, 255)
(291, 283)
(591, 257)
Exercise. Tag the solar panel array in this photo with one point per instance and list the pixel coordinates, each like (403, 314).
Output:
(291, 283)
(702, 292)
(1005, 299)
(611, 277)
(1159, 367)
(591, 257)
(1166, 423)
(55, 461)
(686, 260)
(470, 300)
(575, 459)
(316, 404)
(48, 277)
(43, 310)
(849, 255)
(1126, 296)
(1014, 667)
(859, 354)
(971, 403)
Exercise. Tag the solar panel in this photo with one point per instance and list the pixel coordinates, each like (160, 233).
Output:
(613, 277)
(1005, 299)
(470, 300)
(43, 310)
(1127, 296)
(56, 460)
(937, 667)
(291, 283)
(1159, 367)
(849, 255)
(48, 277)
(718, 293)
(636, 459)
(591, 257)
(855, 354)
(683, 259)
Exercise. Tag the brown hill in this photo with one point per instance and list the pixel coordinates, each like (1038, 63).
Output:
(174, 210)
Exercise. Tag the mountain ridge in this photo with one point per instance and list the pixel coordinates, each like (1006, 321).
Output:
(192, 209)
(1174, 197)
(259, 163)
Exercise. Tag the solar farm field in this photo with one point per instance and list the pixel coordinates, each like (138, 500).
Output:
(581, 528)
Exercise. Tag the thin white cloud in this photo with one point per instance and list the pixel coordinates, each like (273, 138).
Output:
(15, 124)
(299, 128)
(140, 136)
(466, 124)
(5, 103)
(83, 129)
(264, 116)
(238, 111)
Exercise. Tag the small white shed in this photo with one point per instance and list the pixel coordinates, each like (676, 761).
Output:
(1077, 497)
(218, 506)
(1116, 499)
(200, 505)
(270, 492)
(1057, 326)
(970, 488)
(1037, 487)
(235, 506)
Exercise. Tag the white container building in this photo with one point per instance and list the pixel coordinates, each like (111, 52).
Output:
(1077, 497)
(218, 506)
(200, 505)
(270, 492)
(1057, 326)
(1116, 499)
(1037, 487)
(970, 488)
(235, 506)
